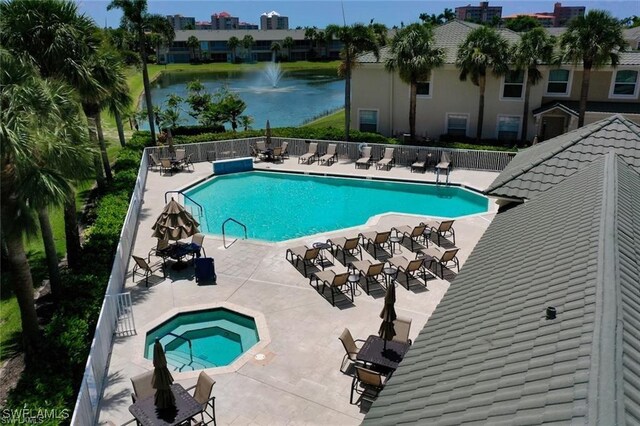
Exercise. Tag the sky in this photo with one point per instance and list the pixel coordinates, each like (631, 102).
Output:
(321, 13)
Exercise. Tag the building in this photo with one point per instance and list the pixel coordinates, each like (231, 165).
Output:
(224, 21)
(448, 106)
(545, 20)
(273, 21)
(247, 26)
(480, 14)
(563, 14)
(203, 25)
(540, 325)
(179, 22)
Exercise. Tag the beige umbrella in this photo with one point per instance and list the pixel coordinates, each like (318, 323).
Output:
(161, 380)
(268, 134)
(175, 223)
(387, 329)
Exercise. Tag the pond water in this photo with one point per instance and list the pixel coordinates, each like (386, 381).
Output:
(298, 97)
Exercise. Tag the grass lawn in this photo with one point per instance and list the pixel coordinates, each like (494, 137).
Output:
(332, 120)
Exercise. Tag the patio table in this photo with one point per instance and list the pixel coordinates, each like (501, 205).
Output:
(373, 352)
(146, 413)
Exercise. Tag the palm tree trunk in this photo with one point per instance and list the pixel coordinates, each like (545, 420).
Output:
(72, 232)
(97, 164)
(147, 86)
(525, 112)
(482, 84)
(347, 95)
(103, 149)
(118, 117)
(412, 110)
(584, 93)
(50, 251)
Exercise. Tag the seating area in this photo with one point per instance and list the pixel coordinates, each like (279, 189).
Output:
(175, 162)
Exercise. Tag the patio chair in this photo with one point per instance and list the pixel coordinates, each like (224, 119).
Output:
(161, 250)
(205, 270)
(378, 239)
(444, 164)
(276, 154)
(186, 163)
(255, 153)
(143, 268)
(261, 146)
(402, 327)
(196, 248)
(285, 152)
(442, 258)
(420, 163)
(350, 347)
(387, 161)
(308, 157)
(331, 156)
(338, 283)
(346, 245)
(166, 166)
(367, 383)
(202, 395)
(180, 154)
(154, 161)
(142, 387)
(410, 268)
(370, 271)
(365, 158)
(412, 232)
(308, 256)
(442, 229)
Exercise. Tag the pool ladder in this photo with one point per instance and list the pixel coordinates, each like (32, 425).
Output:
(224, 241)
(200, 216)
(185, 339)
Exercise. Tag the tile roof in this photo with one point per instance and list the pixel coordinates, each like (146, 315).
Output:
(488, 355)
(536, 169)
(573, 107)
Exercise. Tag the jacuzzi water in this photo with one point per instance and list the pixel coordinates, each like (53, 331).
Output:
(218, 337)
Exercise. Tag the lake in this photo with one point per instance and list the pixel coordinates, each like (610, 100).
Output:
(298, 97)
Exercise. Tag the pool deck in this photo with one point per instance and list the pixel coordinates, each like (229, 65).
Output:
(298, 380)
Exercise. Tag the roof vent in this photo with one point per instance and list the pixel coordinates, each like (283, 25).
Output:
(551, 313)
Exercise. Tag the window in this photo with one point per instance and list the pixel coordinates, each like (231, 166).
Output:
(423, 88)
(513, 85)
(368, 120)
(457, 124)
(508, 128)
(558, 82)
(625, 84)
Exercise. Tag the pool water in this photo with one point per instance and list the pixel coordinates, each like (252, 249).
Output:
(218, 337)
(281, 206)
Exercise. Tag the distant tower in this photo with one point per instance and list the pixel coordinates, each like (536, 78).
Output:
(273, 21)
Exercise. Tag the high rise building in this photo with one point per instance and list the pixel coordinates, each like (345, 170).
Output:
(179, 22)
(273, 21)
(224, 21)
(563, 14)
(480, 14)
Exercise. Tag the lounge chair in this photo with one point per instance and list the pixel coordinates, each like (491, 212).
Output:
(412, 232)
(350, 347)
(154, 161)
(367, 383)
(365, 158)
(285, 152)
(402, 326)
(442, 229)
(142, 387)
(442, 258)
(420, 164)
(261, 146)
(378, 239)
(310, 155)
(308, 256)
(166, 166)
(338, 283)
(410, 268)
(202, 395)
(370, 271)
(387, 161)
(331, 156)
(346, 245)
(444, 164)
(205, 270)
(144, 269)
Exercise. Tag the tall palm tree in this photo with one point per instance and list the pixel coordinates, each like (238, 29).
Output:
(193, 43)
(119, 101)
(311, 34)
(356, 39)
(288, 44)
(138, 20)
(414, 56)
(247, 43)
(595, 40)
(484, 50)
(275, 49)
(233, 44)
(535, 47)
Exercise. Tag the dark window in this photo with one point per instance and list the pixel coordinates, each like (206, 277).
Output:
(513, 84)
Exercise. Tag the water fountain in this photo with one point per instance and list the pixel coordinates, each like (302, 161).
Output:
(273, 72)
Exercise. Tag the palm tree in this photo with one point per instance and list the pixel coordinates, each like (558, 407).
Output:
(415, 57)
(595, 40)
(275, 49)
(119, 101)
(311, 34)
(535, 47)
(245, 121)
(247, 43)
(484, 50)
(193, 43)
(138, 20)
(356, 38)
(233, 44)
(288, 44)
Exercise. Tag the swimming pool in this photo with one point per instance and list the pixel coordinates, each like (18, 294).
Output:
(279, 206)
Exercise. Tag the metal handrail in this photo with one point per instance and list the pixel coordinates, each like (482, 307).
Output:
(201, 209)
(185, 339)
(224, 241)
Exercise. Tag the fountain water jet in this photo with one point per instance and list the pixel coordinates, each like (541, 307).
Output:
(273, 72)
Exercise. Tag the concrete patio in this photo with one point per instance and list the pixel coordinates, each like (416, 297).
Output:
(297, 381)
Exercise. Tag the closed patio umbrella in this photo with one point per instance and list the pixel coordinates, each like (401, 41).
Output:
(175, 223)
(162, 379)
(387, 330)
(268, 134)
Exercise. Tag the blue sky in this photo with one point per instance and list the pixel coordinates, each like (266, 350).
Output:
(320, 13)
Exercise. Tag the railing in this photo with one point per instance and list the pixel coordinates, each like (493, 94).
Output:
(224, 241)
(200, 208)
(126, 325)
(186, 340)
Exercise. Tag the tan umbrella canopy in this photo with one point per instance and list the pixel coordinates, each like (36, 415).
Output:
(162, 379)
(175, 223)
(387, 329)
(268, 133)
